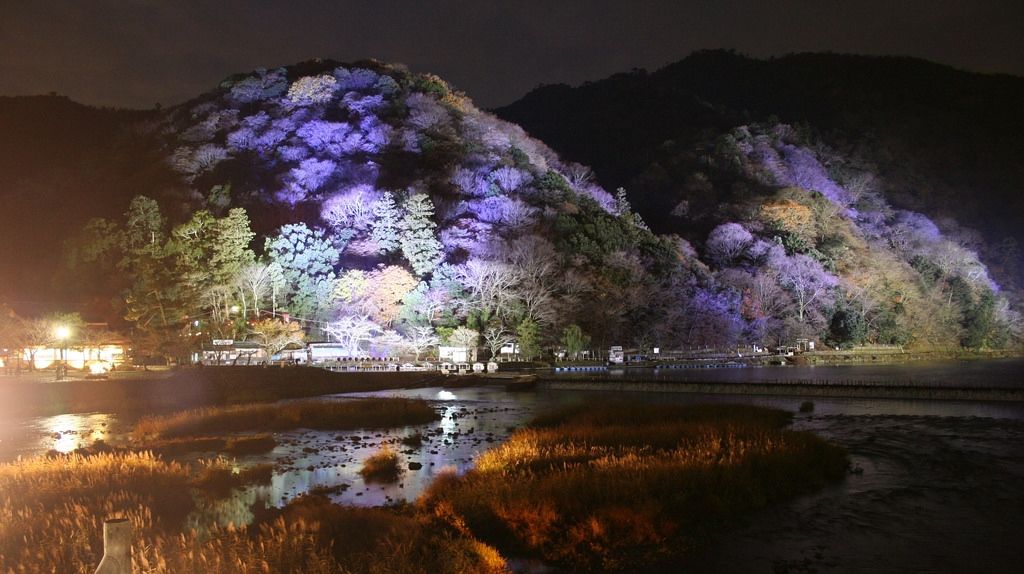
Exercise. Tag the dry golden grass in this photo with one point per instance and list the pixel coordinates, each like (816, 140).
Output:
(52, 508)
(606, 488)
(52, 511)
(216, 477)
(628, 487)
(382, 466)
(312, 414)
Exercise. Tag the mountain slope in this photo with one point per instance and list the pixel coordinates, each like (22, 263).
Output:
(935, 136)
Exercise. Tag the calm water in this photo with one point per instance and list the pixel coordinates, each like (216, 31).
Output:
(939, 485)
(976, 373)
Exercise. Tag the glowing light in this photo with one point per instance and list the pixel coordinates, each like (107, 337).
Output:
(69, 432)
(446, 395)
(62, 332)
(98, 367)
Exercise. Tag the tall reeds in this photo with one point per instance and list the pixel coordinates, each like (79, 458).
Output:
(629, 487)
(52, 511)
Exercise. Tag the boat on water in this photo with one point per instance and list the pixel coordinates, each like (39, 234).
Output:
(521, 383)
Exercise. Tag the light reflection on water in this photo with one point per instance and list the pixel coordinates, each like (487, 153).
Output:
(472, 420)
(475, 419)
(61, 433)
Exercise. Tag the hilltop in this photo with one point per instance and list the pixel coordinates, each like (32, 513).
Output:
(935, 139)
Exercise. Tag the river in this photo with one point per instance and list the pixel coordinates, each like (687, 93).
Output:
(936, 486)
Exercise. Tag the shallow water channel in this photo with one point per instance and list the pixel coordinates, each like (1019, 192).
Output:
(935, 486)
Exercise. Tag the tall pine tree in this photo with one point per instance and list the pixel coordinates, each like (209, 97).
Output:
(386, 231)
(419, 246)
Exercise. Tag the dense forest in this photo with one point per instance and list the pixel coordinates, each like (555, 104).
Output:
(379, 208)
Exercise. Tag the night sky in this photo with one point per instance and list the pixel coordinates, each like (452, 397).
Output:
(133, 53)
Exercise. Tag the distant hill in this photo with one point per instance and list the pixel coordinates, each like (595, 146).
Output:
(60, 164)
(940, 140)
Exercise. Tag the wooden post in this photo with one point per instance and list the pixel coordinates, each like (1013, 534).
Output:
(117, 536)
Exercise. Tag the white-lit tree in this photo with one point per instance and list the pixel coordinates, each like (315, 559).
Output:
(352, 331)
(420, 338)
(419, 245)
(385, 230)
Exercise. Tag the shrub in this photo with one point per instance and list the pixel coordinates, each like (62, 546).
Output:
(384, 466)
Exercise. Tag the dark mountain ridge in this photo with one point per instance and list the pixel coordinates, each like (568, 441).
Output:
(61, 163)
(936, 134)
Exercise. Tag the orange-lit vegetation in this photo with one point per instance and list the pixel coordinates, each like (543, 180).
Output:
(601, 488)
(52, 511)
(334, 415)
(216, 477)
(618, 487)
(383, 466)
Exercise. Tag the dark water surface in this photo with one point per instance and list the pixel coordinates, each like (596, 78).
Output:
(1000, 373)
(938, 486)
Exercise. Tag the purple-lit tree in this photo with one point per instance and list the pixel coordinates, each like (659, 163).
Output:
(471, 182)
(805, 171)
(809, 283)
(425, 113)
(351, 208)
(510, 179)
(325, 137)
(262, 85)
(271, 137)
(310, 176)
(356, 79)
(727, 243)
(709, 318)
(578, 176)
(363, 104)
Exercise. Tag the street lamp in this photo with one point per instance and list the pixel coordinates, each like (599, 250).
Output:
(62, 333)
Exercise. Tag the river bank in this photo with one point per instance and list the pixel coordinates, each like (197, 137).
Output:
(967, 380)
(192, 388)
(795, 388)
